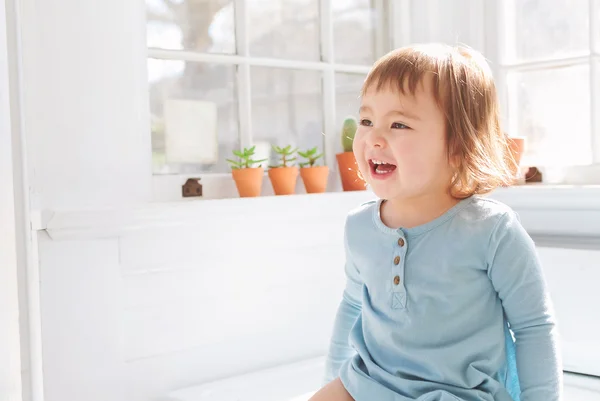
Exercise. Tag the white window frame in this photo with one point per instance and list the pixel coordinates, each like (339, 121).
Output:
(499, 27)
(392, 30)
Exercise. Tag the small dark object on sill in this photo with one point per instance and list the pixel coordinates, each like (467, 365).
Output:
(533, 175)
(192, 187)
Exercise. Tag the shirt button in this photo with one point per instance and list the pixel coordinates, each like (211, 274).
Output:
(401, 242)
(397, 260)
(396, 280)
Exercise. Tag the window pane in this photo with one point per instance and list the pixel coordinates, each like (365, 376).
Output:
(200, 26)
(596, 27)
(546, 29)
(194, 116)
(552, 109)
(287, 29)
(287, 109)
(347, 99)
(354, 31)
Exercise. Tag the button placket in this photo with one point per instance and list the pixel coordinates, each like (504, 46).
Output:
(398, 289)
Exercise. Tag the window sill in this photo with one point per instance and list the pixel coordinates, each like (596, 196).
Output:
(557, 215)
(196, 211)
(554, 215)
(566, 184)
(167, 188)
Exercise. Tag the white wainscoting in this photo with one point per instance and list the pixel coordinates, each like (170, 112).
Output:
(138, 302)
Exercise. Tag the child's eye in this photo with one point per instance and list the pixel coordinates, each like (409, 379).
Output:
(366, 123)
(399, 126)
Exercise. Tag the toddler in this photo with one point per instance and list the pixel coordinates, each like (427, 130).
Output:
(445, 298)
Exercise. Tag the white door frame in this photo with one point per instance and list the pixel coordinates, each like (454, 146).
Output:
(21, 369)
(10, 342)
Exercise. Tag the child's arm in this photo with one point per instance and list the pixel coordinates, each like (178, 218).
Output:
(347, 314)
(517, 276)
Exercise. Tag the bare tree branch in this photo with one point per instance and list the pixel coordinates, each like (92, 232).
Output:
(171, 4)
(155, 17)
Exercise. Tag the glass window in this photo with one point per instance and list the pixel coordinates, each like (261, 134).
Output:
(347, 98)
(287, 29)
(200, 26)
(287, 109)
(197, 106)
(354, 31)
(551, 108)
(194, 116)
(546, 29)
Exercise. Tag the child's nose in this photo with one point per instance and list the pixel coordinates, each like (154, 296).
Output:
(376, 140)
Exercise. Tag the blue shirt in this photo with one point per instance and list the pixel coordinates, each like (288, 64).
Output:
(429, 312)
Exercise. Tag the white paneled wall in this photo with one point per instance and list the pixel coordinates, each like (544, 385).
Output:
(230, 284)
(132, 311)
(140, 312)
(573, 276)
(82, 319)
(85, 109)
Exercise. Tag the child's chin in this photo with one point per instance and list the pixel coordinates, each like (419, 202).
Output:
(382, 191)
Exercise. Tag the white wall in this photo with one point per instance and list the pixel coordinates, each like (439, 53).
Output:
(10, 359)
(84, 102)
(143, 305)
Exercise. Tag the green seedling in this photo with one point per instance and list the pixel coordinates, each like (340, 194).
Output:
(311, 157)
(285, 156)
(244, 159)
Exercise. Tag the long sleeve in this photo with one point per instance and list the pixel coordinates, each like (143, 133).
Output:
(347, 314)
(517, 276)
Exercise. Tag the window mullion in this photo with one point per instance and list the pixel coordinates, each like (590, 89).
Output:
(495, 21)
(400, 23)
(227, 59)
(327, 56)
(594, 27)
(243, 74)
(381, 35)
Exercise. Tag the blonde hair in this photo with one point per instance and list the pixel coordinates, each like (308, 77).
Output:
(465, 92)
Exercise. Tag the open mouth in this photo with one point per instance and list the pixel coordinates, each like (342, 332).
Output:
(380, 168)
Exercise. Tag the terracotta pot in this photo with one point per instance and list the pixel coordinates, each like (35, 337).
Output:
(248, 181)
(283, 180)
(517, 147)
(315, 178)
(351, 181)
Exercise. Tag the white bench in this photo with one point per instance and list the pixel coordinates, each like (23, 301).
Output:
(293, 382)
(299, 381)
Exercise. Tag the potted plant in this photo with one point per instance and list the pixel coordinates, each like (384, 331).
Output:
(351, 180)
(314, 177)
(284, 175)
(516, 145)
(248, 179)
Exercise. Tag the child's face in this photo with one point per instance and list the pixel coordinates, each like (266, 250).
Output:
(408, 134)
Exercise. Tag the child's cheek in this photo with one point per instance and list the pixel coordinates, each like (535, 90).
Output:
(411, 158)
(405, 150)
(358, 146)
